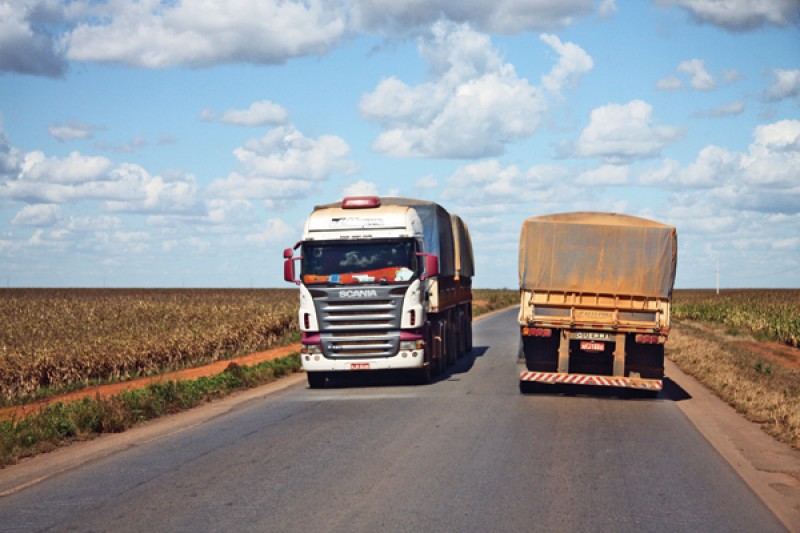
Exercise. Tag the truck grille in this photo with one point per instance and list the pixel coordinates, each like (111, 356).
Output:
(362, 322)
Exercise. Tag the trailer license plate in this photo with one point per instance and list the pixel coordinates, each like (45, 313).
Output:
(359, 366)
(589, 346)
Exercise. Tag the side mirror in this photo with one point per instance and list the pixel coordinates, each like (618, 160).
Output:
(431, 266)
(288, 266)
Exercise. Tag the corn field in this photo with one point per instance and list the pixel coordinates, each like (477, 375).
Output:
(768, 314)
(67, 338)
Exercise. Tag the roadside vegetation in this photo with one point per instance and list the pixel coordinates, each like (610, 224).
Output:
(766, 314)
(488, 300)
(60, 423)
(711, 341)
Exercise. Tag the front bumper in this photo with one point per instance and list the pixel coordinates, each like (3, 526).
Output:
(317, 362)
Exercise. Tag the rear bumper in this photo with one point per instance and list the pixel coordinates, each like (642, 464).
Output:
(554, 378)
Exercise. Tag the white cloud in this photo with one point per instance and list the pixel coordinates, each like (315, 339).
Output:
(26, 45)
(275, 231)
(124, 188)
(742, 15)
(74, 169)
(622, 132)
(38, 215)
(427, 182)
(487, 182)
(500, 16)
(607, 8)
(573, 62)
(785, 84)
(670, 83)
(700, 77)
(360, 188)
(765, 179)
(159, 35)
(475, 104)
(724, 110)
(284, 164)
(71, 131)
(605, 175)
(259, 113)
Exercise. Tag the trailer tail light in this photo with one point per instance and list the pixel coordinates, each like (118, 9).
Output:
(306, 321)
(650, 339)
(537, 332)
(412, 317)
(361, 202)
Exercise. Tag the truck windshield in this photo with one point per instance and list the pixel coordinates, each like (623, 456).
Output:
(359, 262)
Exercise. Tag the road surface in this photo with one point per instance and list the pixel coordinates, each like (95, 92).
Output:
(466, 453)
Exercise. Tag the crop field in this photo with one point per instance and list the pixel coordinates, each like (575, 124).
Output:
(766, 314)
(61, 339)
(55, 340)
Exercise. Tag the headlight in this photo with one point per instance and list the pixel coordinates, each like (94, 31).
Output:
(412, 345)
(311, 348)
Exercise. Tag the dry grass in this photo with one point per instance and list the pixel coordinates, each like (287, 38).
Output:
(763, 391)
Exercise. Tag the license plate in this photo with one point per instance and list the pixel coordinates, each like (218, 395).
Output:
(589, 346)
(359, 366)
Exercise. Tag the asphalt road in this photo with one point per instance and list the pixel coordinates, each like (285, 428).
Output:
(467, 453)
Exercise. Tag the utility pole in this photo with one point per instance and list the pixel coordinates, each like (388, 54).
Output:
(717, 277)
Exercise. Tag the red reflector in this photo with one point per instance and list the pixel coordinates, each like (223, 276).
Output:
(412, 318)
(537, 332)
(307, 320)
(361, 202)
(648, 339)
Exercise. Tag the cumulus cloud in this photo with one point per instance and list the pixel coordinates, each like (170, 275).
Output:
(258, 114)
(160, 35)
(274, 231)
(26, 45)
(38, 215)
(742, 15)
(621, 133)
(785, 84)
(604, 175)
(488, 182)
(670, 83)
(700, 78)
(724, 110)
(360, 188)
(763, 179)
(500, 16)
(284, 164)
(475, 104)
(124, 187)
(71, 131)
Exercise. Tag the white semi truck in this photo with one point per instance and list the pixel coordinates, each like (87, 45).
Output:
(385, 284)
(595, 292)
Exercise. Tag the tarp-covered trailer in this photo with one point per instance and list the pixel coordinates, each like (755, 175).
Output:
(595, 295)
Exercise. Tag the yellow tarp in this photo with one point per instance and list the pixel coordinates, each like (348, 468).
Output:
(598, 253)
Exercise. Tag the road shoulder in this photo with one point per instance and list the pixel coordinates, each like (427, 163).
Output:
(770, 468)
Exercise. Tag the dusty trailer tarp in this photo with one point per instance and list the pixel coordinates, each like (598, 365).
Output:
(436, 228)
(465, 264)
(598, 253)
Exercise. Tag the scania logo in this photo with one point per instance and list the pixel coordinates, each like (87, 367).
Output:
(363, 293)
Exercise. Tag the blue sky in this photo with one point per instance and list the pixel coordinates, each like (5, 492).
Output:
(170, 144)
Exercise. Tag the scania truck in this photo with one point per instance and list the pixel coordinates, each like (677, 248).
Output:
(595, 295)
(385, 284)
